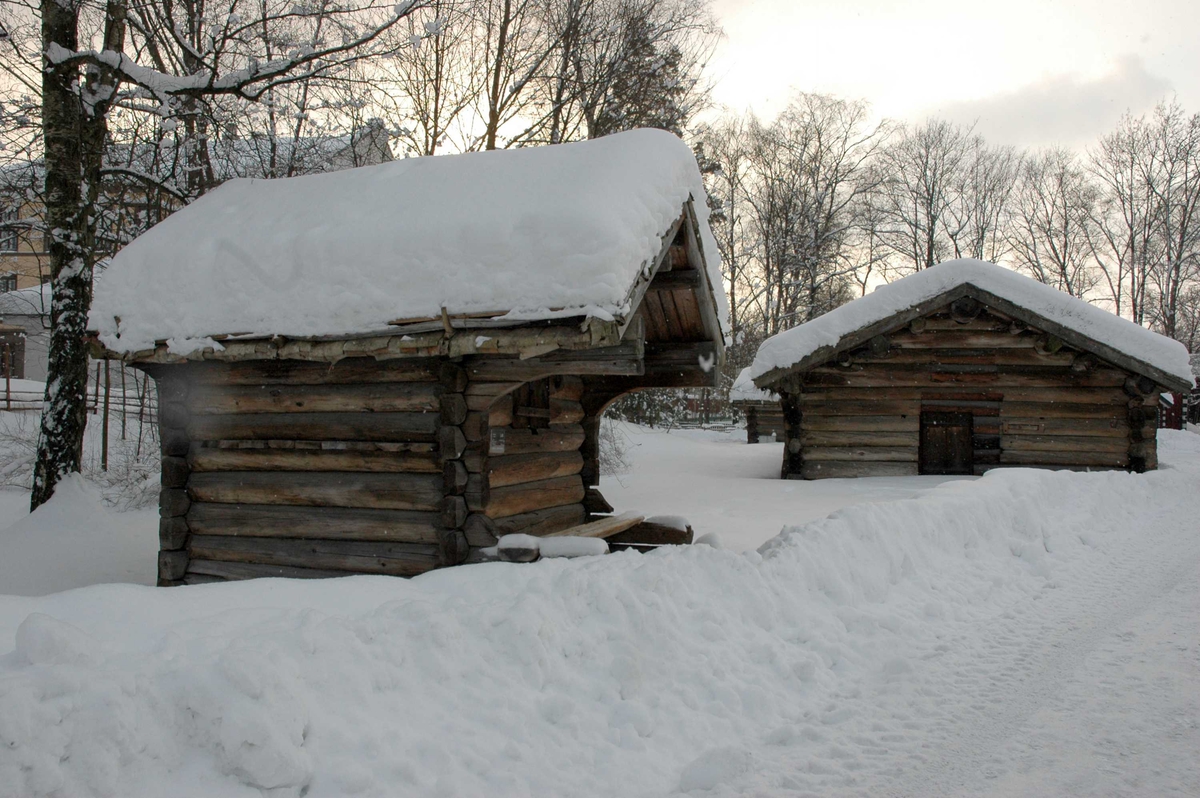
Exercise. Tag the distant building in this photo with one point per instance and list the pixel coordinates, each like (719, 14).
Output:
(966, 367)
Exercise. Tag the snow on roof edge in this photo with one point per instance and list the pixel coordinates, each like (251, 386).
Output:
(786, 349)
(744, 390)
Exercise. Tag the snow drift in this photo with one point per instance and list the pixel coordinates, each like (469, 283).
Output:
(619, 675)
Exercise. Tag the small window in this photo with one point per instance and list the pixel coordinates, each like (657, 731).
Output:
(8, 230)
(8, 282)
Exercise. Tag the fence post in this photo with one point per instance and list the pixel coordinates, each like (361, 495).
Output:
(124, 401)
(8, 376)
(104, 424)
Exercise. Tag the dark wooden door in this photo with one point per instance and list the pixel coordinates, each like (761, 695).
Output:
(946, 443)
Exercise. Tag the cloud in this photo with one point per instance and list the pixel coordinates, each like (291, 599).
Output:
(1064, 109)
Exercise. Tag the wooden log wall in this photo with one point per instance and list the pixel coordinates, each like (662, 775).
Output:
(289, 468)
(523, 458)
(1032, 401)
(763, 419)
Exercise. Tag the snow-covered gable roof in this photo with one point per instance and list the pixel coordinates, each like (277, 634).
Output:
(744, 390)
(533, 233)
(1081, 324)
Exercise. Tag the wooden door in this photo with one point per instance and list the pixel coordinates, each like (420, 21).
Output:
(946, 443)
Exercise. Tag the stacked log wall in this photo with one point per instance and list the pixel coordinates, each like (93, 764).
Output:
(1033, 402)
(524, 478)
(763, 419)
(285, 468)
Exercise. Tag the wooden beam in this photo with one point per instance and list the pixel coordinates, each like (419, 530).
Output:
(601, 528)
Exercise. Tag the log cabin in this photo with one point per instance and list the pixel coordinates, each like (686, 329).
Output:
(761, 408)
(963, 368)
(384, 370)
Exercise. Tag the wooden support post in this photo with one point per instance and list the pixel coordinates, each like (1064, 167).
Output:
(173, 499)
(751, 424)
(792, 453)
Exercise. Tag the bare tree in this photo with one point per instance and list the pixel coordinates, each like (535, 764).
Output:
(921, 169)
(1052, 226)
(807, 175)
(978, 204)
(1173, 180)
(1124, 245)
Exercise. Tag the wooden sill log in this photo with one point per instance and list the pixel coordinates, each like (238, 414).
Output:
(648, 533)
(603, 528)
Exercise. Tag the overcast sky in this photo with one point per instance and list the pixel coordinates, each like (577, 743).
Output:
(1032, 72)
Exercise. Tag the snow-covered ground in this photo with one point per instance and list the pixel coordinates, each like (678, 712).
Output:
(722, 484)
(1025, 633)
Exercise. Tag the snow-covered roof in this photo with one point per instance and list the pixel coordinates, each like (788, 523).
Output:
(534, 233)
(789, 348)
(744, 390)
(34, 301)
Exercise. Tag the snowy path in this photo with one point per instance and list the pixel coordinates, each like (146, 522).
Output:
(1026, 633)
(1092, 687)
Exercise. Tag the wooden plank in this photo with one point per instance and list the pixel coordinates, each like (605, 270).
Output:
(1062, 443)
(394, 559)
(1104, 427)
(524, 441)
(1060, 410)
(530, 496)
(852, 439)
(316, 426)
(302, 372)
(1109, 459)
(689, 314)
(815, 469)
(332, 523)
(319, 489)
(863, 454)
(600, 528)
(506, 470)
(881, 407)
(911, 423)
(996, 357)
(541, 522)
(995, 380)
(240, 570)
(211, 458)
(404, 397)
(671, 312)
(657, 328)
(962, 339)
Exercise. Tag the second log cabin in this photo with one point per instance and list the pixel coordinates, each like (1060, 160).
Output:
(384, 370)
(963, 368)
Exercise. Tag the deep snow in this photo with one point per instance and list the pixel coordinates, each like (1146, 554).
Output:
(1023, 633)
